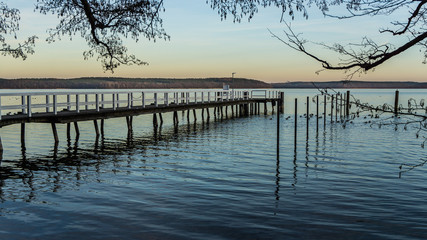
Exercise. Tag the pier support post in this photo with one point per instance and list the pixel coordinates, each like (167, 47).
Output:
(76, 128)
(232, 111)
(55, 133)
(161, 119)
(68, 131)
(23, 135)
(336, 108)
(317, 114)
(265, 108)
(194, 115)
(324, 111)
(396, 102)
(102, 127)
(296, 123)
(95, 123)
(208, 114)
(347, 104)
(308, 114)
(332, 108)
(281, 102)
(175, 118)
(188, 116)
(155, 123)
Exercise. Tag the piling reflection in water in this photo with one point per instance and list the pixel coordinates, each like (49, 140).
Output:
(194, 179)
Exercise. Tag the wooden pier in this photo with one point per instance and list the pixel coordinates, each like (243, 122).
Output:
(68, 107)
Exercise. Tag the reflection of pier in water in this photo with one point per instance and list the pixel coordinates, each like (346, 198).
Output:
(48, 172)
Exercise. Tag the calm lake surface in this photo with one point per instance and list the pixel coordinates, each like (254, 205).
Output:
(220, 180)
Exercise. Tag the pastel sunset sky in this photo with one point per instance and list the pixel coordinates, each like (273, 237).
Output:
(202, 46)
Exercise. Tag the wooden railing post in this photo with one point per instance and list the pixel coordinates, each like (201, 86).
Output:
(47, 103)
(86, 102)
(97, 102)
(68, 102)
(77, 103)
(29, 105)
(24, 110)
(114, 101)
(55, 104)
(155, 100)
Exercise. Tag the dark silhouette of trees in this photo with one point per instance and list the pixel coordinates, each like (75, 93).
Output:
(105, 23)
(368, 54)
(9, 25)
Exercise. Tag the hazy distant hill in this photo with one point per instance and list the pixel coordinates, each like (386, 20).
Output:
(159, 83)
(351, 84)
(136, 83)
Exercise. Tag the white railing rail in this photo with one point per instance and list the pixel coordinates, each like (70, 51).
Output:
(28, 103)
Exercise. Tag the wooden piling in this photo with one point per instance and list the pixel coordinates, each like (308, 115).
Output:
(208, 114)
(396, 102)
(296, 122)
(102, 126)
(308, 114)
(175, 118)
(232, 111)
(188, 116)
(317, 114)
(55, 132)
(95, 123)
(155, 123)
(76, 128)
(336, 107)
(23, 135)
(161, 119)
(347, 104)
(194, 114)
(341, 106)
(68, 131)
(324, 111)
(203, 114)
(265, 108)
(278, 131)
(332, 108)
(281, 104)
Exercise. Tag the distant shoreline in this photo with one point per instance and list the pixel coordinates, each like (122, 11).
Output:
(353, 85)
(189, 83)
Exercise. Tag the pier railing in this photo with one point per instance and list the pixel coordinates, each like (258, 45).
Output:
(28, 103)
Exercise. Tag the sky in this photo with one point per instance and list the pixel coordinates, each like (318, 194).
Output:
(202, 46)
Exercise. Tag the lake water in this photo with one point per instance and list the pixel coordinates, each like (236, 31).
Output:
(220, 180)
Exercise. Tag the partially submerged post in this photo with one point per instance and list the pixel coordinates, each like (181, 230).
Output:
(76, 128)
(308, 114)
(324, 112)
(332, 108)
(95, 123)
(317, 114)
(55, 132)
(396, 102)
(281, 102)
(23, 135)
(347, 104)
(296, 122)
